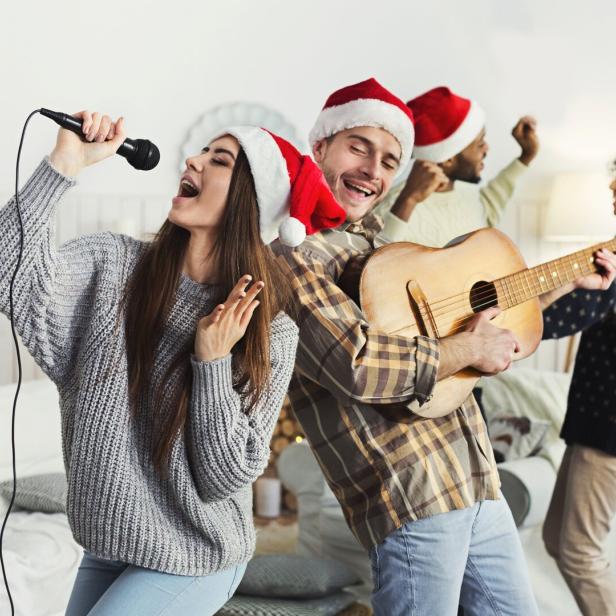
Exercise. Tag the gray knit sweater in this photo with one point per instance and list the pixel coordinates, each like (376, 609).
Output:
(198, 520)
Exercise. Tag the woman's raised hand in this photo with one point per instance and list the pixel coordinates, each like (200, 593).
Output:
(102, 137)
(218, 332)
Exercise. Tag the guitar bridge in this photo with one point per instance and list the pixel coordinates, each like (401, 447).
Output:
(421, 310)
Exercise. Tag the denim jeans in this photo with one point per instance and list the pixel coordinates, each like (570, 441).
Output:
(110, 588)
(471, 557)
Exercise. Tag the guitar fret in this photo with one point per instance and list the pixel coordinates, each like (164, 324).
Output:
(509, 295)
(514, 280)
(519, 292)
(511, 292)
(520, 279)
(508, 301)
(528, 281)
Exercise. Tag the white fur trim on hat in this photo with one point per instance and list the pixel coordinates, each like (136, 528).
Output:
(292, 232)
(463, 136)
(270, 174)
(366, 112)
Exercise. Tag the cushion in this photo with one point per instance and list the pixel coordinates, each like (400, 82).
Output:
(540, 395)
(46, 493)
(292, 576)
(514, 437)
(257, 606)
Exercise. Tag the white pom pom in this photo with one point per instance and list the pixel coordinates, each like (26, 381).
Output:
(292, 232)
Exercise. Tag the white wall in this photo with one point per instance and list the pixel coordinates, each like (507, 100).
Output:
(161, 66)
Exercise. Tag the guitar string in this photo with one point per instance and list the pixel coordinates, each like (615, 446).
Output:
(543, 266)
(445, 304)
(508, 296)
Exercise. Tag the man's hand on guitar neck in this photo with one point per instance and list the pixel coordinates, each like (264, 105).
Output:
(425, 178)
(597, 281)
(483, 346)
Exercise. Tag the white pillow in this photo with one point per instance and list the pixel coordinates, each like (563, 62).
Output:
(540, 395)
(37, 429)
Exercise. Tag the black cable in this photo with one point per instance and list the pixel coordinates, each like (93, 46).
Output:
(19, 371)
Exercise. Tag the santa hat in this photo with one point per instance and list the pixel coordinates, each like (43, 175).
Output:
(293, 197)
(445, 124)
(366, 103)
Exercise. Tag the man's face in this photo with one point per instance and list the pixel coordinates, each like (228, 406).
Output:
(468, 164)
(359, 165)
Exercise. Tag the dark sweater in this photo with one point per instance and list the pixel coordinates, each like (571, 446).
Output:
(591, 408)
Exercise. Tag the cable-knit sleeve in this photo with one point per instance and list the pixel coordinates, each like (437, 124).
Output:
(56, 290)
(228, 448)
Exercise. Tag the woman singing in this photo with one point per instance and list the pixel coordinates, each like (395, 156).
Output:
(171, 357)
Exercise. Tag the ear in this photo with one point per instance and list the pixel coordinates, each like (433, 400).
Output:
(448, 166)
(318, 150)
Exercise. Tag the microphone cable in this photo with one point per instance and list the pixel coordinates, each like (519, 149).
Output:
(17, 353)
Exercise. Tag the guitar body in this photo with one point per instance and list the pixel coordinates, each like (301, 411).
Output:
(409, 290)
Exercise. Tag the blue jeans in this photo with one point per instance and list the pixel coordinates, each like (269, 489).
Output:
(111, 587)
(471, 557)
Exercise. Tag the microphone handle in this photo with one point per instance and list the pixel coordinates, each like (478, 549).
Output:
(127, 149)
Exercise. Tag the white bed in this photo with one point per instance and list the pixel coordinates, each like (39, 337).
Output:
(40, 554)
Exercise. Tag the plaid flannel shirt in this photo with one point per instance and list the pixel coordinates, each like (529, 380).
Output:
(352, 392)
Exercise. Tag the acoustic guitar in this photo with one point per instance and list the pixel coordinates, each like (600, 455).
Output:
(409, 290)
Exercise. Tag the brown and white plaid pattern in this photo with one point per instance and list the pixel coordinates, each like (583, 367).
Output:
(352, 391)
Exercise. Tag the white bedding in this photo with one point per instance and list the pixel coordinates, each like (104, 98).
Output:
(41, 559)
(40, 554)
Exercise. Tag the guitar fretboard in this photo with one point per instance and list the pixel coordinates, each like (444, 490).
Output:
(526, 284)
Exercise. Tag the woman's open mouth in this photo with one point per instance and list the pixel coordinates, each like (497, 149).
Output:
(187, 188)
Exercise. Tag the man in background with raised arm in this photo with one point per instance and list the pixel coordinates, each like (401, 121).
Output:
(441, 198)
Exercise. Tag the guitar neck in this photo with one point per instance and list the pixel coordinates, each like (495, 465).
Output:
(529, 283)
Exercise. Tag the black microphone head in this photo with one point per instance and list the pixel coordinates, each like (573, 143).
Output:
(145, 156)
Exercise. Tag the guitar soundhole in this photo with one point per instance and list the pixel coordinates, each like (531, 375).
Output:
(483, 295)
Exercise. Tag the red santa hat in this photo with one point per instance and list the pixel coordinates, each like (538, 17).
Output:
(366, 103)
(293, 197)
(445, 124)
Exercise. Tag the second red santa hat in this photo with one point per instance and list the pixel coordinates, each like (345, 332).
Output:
(445, 124)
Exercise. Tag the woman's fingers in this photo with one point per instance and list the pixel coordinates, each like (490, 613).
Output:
(98, 127)
(94, 126)
(238, 292)
(213, 317)
(217, 313)
(118, 134)
(240, 304)
(103, 130)
(251, 294)
(86, 117)
(248, 312)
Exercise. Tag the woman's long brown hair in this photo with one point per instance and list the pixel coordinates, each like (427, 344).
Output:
(150, 295)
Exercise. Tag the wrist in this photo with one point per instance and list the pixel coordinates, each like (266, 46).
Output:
(213, 359)
(473, 347)
(64, 164)
(457, 352)
(527, 157)
(210, 355)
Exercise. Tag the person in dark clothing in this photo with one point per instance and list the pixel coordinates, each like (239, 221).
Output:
(583, 503)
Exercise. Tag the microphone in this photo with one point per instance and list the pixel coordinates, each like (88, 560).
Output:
(140, 153)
